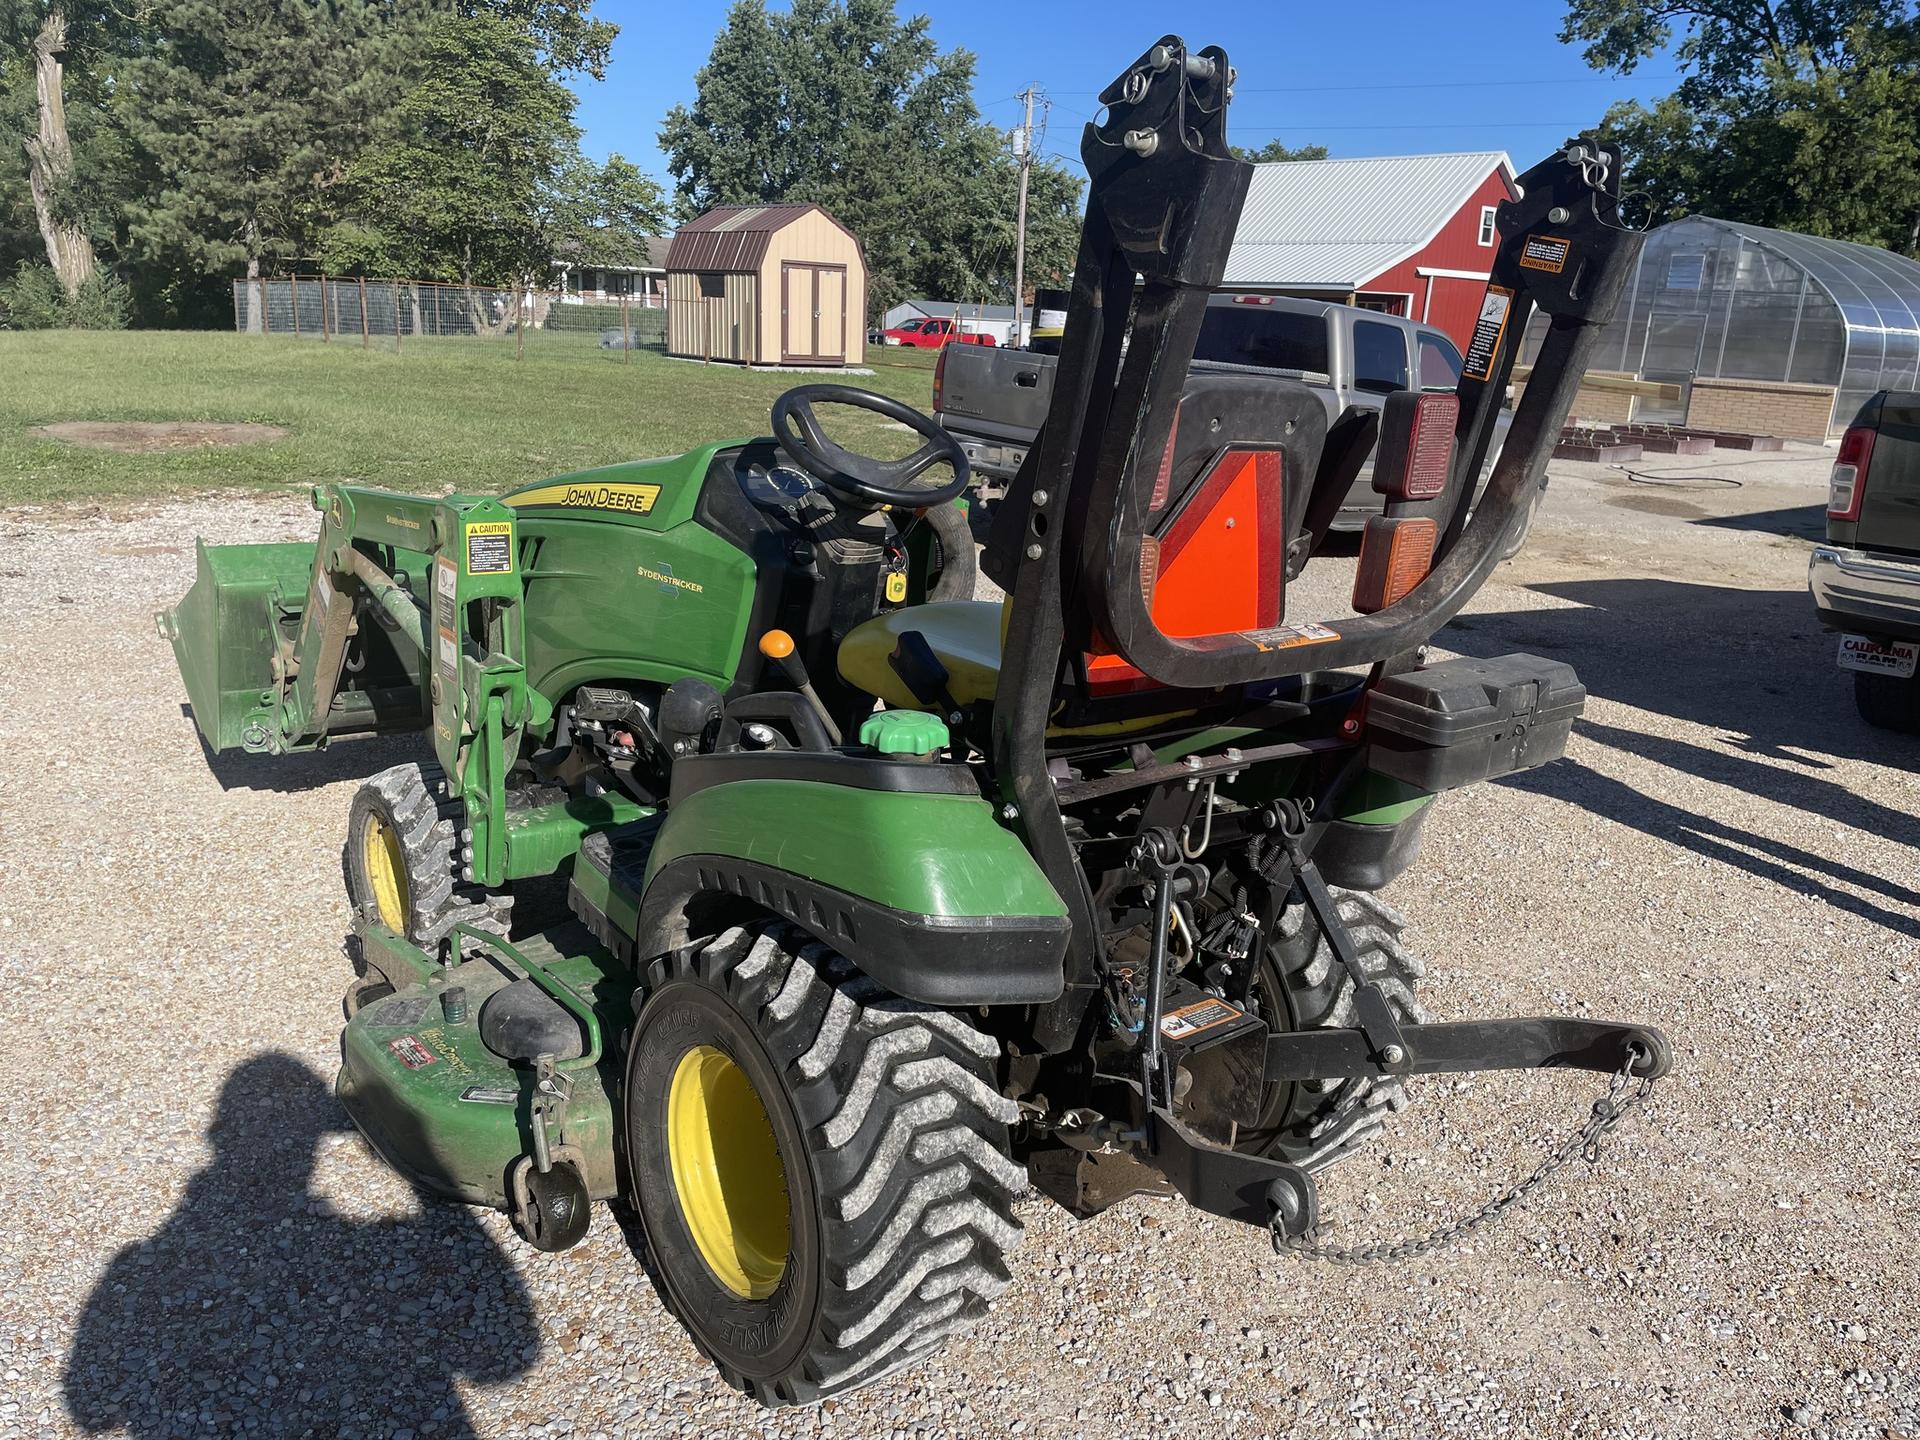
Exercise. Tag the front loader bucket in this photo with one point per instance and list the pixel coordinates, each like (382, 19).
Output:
(225, 632)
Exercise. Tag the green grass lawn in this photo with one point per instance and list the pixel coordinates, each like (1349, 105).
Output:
(439, 415)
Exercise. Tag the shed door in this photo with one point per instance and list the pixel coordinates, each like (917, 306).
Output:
(830, 314)
(813, 312)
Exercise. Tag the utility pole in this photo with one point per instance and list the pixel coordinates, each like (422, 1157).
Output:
(1023, 149)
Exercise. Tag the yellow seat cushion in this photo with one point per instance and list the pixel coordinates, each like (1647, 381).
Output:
(964, 634)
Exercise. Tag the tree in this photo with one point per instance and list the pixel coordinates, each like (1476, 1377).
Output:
(1726, 45)
(842, 104)
(568, 37)
(475, 174)
(43, 38)
(244, 119)
(604, 214)
(1793, 115)
(1274, 150)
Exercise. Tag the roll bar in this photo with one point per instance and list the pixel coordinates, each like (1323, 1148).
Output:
(1165, 196)
(1164, 199)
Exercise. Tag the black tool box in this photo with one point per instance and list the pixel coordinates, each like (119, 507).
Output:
(1466, 720)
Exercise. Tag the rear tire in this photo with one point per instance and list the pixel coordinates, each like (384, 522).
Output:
(1888, 702)
(881, 1124)
(955, 563)
(402, 859)
(1303, 986)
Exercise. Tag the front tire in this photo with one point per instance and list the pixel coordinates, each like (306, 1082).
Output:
(402, 859)
(821, 1168)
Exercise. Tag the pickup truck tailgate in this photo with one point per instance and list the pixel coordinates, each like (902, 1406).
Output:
(1890, 506)
(999, 393)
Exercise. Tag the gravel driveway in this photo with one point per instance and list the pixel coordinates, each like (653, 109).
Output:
(198, 1247)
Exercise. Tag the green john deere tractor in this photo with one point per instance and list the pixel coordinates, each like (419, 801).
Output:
(886, 903)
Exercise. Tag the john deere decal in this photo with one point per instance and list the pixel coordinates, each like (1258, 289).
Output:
(634, 499)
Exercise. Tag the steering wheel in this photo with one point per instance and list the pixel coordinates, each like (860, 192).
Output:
(864, 478)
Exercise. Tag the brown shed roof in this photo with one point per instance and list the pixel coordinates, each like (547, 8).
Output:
(733, 238)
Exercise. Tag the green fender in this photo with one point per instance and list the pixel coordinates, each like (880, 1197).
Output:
(925, 891)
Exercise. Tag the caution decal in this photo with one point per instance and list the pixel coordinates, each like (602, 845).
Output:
(490, 547)
(629, 499)
(1487, 332)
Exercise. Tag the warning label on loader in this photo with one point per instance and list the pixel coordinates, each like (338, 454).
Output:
(490, 547)
(1487, 331)
(1545, 252)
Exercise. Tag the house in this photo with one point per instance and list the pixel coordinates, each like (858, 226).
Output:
(1409, 235)
(767, 285)
(644, 284)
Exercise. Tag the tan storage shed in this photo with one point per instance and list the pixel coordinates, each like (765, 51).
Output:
(767, 285)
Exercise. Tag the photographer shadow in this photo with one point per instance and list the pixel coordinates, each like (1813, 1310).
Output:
(255, 1308)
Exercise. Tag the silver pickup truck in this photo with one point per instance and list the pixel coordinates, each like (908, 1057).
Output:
(994, 400)
(1866, 578)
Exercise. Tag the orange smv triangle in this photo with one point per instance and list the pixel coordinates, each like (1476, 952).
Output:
(1210, 583)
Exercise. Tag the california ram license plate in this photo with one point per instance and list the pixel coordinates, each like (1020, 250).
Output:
(1878, 657)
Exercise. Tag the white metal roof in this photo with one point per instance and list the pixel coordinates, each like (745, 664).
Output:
(1335, 224)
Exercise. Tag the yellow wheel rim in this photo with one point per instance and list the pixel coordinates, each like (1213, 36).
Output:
(727, 1172)
(386, 867)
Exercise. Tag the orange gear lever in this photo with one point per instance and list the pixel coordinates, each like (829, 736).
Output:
(777, 646)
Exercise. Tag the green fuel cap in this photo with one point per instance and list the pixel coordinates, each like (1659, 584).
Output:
(904, 732)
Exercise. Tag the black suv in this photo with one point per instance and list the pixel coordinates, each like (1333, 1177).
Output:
(1866, 578)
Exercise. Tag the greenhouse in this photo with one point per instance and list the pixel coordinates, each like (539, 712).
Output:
(1759, 322)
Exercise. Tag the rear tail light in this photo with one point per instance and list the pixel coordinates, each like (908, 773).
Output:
(1253, 299)
(939, 377)
(1414, 459)
(1395, 554)
(1848, 482)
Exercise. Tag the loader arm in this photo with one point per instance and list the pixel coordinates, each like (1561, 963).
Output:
(429, 589)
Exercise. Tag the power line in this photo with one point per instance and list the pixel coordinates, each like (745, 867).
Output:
(1447, 85)
(1310, 127)
(1239, 90)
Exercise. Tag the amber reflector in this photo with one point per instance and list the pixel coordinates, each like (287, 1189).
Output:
(1149, 568)
(1394, 557)
(1163, 479)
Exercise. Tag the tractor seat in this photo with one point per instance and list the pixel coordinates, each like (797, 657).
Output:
(964, 634)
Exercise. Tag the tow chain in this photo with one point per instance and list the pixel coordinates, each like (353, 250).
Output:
(1624, 1093)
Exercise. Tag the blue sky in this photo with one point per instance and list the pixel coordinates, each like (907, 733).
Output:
(1361, 79)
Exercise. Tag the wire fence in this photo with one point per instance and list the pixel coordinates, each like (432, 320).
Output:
(358, 310)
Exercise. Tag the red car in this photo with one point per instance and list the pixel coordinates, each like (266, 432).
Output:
(931, 334)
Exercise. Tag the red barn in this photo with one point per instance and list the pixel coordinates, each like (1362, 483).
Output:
(1410, 235)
